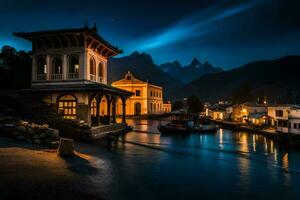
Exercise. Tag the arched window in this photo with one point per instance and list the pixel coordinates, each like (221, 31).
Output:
(41, 69)
(92, 69)
(56, 73)
(57, 66)
(101, 70)
(73, 67)
(94, 107)
(67, 106)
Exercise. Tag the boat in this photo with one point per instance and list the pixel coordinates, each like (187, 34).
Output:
(182, 123)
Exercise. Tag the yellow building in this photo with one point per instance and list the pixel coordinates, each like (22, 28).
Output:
(147, 98)
(167, 107)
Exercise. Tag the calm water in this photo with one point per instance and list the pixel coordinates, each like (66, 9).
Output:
(224, 165)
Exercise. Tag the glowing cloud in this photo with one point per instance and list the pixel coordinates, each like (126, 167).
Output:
(192, 26)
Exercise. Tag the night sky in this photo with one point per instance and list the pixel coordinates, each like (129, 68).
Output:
(225, 33)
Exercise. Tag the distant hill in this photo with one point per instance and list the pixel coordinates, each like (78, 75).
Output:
(278, 80)
(190, 72)
(141, 65)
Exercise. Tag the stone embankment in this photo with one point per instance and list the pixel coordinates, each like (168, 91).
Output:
(30, 132)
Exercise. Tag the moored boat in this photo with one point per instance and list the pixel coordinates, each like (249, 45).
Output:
(181, 123)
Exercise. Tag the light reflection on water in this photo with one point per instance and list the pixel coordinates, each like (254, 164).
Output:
(223, 165)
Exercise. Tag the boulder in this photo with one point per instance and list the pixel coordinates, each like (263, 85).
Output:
(30, 131)
(21, 129)
(37, 141)
(66, 147)
(36, 136)
(43, 135)
(10, 125)
(24, 123)
(54, 145)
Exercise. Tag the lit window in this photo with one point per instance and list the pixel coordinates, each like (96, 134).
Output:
(138, 93)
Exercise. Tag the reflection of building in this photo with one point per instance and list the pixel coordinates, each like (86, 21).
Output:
(167, 107)
(147, 98)
(69, 71)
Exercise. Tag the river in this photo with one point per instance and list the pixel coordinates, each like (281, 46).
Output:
(224, 165)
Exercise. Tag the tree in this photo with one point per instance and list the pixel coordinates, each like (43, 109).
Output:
(194, 105)
(177, 105)
(15, 68)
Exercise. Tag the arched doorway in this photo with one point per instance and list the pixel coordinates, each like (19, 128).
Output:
(119, 107)
(67, 106)
(103, 110)
(137, 108)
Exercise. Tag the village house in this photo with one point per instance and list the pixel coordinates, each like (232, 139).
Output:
(167, 107)
(69, 72)
(220, 111)
(286, 118)
(245, 112)
(147, 98)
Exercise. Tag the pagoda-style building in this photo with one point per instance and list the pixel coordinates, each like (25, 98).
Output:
(69, 72)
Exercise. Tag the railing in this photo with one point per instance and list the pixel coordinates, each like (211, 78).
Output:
(73, 75)
(56, 76)
(100, 79)
(41, 77)
(102, 131)
(92, 77)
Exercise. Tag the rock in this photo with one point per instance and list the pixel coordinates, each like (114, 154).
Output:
(21, 129)
(24, 123)
(54, 145)
(55, 133)
(37, 141)
(45, 126)
(43, 135)
(9, 125)
(30, 131)
(20, 137)
(36, 136)
(66, 147)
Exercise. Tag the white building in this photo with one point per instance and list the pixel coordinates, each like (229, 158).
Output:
(286, 118)
(294, 121)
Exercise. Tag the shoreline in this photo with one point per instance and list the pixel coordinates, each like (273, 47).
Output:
(291, 140)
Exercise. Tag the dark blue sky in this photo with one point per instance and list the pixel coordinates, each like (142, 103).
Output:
(225, 33)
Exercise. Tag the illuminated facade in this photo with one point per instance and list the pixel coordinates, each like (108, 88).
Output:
(241, 113)
(147, 98)
(167, 107)
(69, 72)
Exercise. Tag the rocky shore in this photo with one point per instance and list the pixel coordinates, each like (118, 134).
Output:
(30, 132)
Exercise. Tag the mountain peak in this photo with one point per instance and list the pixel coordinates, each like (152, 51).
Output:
(143, 55)
(195, 62)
